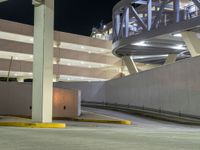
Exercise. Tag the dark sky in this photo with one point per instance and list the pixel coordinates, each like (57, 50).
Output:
(74, 16)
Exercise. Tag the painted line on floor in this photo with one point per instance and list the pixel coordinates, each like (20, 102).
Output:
(32, 125)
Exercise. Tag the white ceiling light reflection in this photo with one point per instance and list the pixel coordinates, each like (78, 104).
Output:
(142, 43)
(177, 35)
(179, 47)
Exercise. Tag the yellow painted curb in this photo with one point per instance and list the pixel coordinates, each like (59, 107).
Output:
(33, 125)
(124, 122)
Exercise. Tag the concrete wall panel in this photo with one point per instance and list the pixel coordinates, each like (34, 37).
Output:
(90, 91)
(174, 88)
(16, 99)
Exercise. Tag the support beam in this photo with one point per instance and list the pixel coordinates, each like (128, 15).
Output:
(160, 13)
(177, 10)
(121, 31)
(132, 68)
(192, 42)
(149, 15)
(136, 15)
(43, 58)
(171, 59)
(117, 24)
(127, 22)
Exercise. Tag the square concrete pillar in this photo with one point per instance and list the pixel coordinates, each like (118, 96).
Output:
(43, 61)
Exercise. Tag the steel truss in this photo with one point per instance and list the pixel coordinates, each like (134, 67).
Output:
(150, 16)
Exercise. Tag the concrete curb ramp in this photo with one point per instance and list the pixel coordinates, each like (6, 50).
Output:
(123, 122)
(32, 125)
(146, 113)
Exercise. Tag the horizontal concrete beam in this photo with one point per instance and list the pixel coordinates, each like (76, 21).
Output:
(25, 48)
(22, 29)
(23, 66)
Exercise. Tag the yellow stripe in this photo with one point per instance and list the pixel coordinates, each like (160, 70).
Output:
(33, 125)
(124, 122)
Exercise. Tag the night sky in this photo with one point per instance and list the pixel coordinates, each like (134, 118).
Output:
(74, 16)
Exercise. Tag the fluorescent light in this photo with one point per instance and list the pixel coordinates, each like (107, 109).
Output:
(177, 35)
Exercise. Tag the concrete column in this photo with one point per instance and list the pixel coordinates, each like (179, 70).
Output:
(56, 60)
(43, 61)
(20, 79)
(171, 59)
(132, 68)
(193, 42)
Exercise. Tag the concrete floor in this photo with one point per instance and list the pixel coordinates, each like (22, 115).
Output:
(146, 134)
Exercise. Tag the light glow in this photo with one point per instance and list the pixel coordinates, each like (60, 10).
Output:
(177, 35)
(142, 43)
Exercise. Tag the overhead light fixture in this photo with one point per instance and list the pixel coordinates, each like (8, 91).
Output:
(69, 64)
(142, 43)
(82, 47)
(177, 35)
(82, 62)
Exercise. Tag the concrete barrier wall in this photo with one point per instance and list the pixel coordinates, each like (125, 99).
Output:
(16, 99)
(173, 88)
(90, 91)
